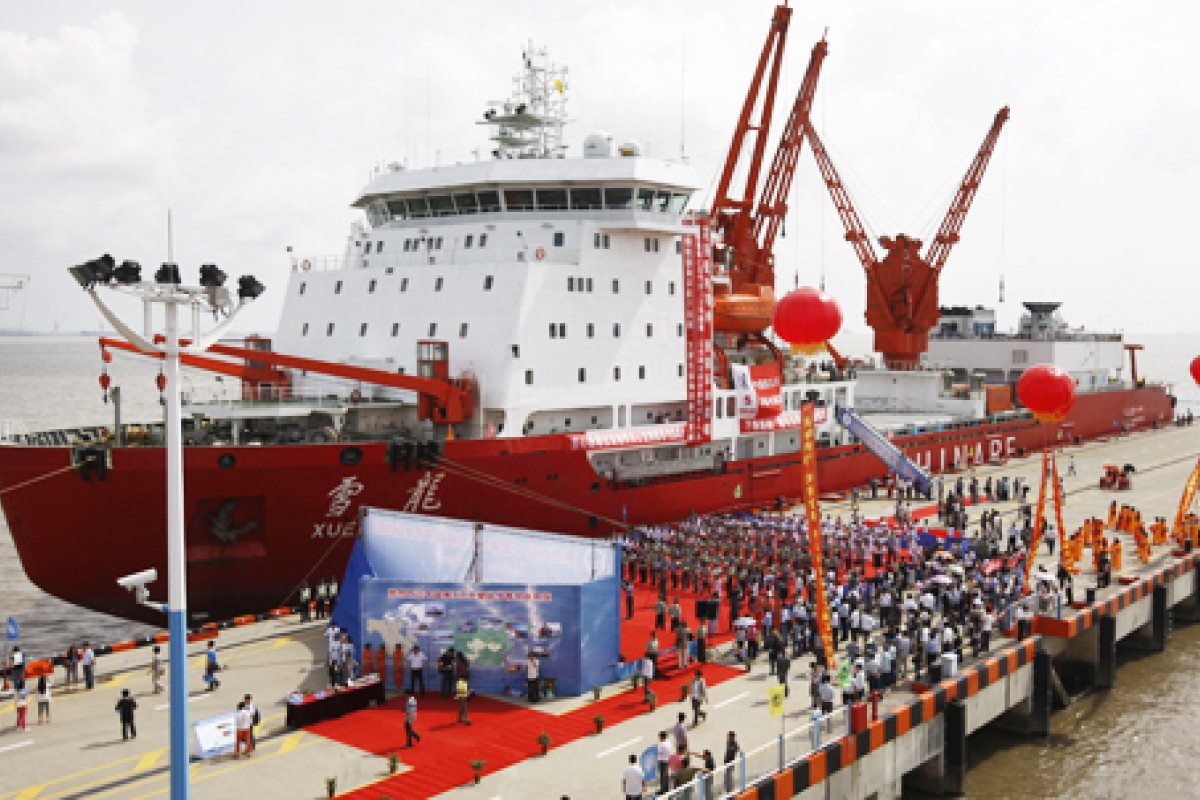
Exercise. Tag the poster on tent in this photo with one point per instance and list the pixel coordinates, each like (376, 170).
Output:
(496, 626)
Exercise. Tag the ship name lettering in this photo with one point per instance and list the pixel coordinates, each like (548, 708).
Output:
(334, 530)
(341, 495)
(423, 496)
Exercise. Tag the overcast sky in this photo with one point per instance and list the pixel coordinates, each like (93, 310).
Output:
(257, 123)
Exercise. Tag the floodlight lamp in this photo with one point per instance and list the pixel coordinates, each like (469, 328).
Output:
(168, 273)
(211, 276)
(128, 273)
(249, 288)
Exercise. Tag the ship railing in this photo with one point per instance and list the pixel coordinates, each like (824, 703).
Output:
(788, 747)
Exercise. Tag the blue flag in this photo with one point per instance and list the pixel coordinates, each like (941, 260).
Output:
(14, 629)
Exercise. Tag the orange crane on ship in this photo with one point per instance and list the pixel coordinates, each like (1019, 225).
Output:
(745, 229)
(902, 288)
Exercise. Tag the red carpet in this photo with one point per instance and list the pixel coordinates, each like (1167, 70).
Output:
(500, 734)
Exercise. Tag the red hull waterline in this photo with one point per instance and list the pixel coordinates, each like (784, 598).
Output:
(280, 515)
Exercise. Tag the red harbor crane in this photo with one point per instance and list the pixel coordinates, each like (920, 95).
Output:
(902, 288)
(745, 229)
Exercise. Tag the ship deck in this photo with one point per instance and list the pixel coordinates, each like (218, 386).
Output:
(80, 754)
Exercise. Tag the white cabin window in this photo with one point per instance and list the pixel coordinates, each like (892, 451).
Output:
(337, 288)
(583, 375)
(591, 330)
(304, 330)
(678, 247)
(679, 329)
(462, 330)
(432, 329)
(371, 287)
(616, 330)
(616, 286)
(529, 377)
(437, 284)
(671, 287)
(362, 329)
(641, 373)
(303, 286)
(649, 329)
(649, 287)
(488, 201)
(404, 284)
(570, 283)
(438, 245)
(560, 238)
(616, 373)
(395, 329)
(487, 283)
(679, 370)
(562, 330)
(589, 284)
(483, 240)
(379, 246)
(329, 329)
(553, 330)
(467, 241)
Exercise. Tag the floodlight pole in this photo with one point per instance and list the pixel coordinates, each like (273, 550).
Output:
(173, 296)
(177, 625)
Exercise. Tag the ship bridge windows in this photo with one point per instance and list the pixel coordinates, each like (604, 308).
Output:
(518, 199)
(560, 238)
(466, 202)
(441, 205)
(585, 198)
(618, 197)
(418, 207)
(552, 200)
(489, 201)
(398, 209)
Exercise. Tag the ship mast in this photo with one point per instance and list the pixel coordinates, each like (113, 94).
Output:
(530, 123)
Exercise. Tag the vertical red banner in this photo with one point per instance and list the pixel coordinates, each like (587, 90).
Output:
(812, 511)
(697, 316)
(1039, 515)
(1058, 505)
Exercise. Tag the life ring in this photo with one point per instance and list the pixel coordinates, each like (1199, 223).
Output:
(539, 253)
(306, 265)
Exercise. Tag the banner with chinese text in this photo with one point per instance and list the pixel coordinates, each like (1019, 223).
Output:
(698, 333)
(812, 510)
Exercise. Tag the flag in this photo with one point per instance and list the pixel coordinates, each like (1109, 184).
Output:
(14, 629)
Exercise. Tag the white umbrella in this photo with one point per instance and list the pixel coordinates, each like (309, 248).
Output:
(745, 622)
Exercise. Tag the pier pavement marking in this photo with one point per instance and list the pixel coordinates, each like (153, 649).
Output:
(620, 746)
(25, 743)
(290, 743)
(149, 760)
(191, 699)
(204, 771)
(63, 778)
(31, 792)
(730, 700)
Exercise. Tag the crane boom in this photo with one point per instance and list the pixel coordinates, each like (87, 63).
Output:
(772, 205)
(856, 233)
(947, 235)
(732, 216)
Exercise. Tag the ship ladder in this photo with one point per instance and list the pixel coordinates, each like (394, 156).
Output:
(893, 457)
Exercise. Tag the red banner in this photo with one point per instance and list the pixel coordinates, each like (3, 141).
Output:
(812, 510)
(1039, 515)
(1058, 504)
(698, 333)
(1185, 501)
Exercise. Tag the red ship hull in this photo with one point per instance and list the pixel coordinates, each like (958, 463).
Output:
(277, 516)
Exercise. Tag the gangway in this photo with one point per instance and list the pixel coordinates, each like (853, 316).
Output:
(888, 453)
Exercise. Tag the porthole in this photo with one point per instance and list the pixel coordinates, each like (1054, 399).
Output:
(226, 460)
(351, 456)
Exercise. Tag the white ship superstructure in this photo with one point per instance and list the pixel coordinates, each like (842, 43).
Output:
(553, 282)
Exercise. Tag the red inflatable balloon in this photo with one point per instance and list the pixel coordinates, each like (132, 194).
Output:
(1196, 369)
(807, 317)
(1047, 391)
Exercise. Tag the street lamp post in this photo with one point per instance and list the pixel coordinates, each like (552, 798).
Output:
(168, 291)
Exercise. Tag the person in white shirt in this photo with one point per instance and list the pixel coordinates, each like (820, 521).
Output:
(664, 757)
(416, 670)
(633, 780)
(243, 722)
